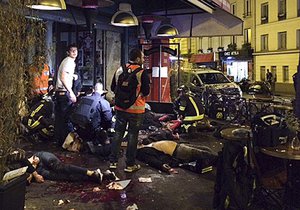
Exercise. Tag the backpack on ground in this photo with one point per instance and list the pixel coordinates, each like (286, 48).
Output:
(125, 94)
(84, 111)
(235, 179)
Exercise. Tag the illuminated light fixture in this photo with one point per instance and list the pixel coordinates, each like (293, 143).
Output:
(166, 29)
(93, 4)
(48, 5)
(124, 17)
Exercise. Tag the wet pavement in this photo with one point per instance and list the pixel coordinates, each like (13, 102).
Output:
(185, 190)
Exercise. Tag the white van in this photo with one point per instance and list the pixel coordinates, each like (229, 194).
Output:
(203, 79)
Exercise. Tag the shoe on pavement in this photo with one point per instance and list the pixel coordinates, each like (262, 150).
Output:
(108, 175)
(97, 176)
(133, 168)
(113, 165)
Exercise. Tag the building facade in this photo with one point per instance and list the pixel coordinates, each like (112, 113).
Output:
(277, 32)
(271, 30)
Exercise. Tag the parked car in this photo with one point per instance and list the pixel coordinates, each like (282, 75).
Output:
(204, 81)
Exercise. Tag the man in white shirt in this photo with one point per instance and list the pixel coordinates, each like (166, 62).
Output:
(64, 95)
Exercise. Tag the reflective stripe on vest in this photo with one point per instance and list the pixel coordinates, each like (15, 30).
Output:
(139, 105)
(34, 123)
(198, 116)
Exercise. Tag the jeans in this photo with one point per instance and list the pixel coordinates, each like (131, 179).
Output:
(134, 122)
(50, 167)
(62, 125)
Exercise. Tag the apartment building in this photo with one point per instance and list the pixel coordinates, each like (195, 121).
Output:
(277, 32)
(271, 28)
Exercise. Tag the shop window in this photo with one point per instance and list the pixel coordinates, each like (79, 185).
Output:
(247, 8)
(195, 81)
(285, 73)
(247, 35)
(282, 40)
(298, 39)
(263, 73)
(281, 9)
(274, 72)
(264, 13)
(264, 42)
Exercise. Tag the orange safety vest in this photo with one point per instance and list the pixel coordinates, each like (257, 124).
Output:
(40, 80)
(139, 105)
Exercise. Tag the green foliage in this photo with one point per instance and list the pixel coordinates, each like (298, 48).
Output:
(18, 35)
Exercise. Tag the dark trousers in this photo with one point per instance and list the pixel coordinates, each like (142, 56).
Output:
(134, 122)
(53, 169)
(62, 125)
(188, 153)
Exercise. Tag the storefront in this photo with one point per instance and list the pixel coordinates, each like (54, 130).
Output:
(237, 64)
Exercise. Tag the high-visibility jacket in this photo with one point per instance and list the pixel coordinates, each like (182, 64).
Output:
(190, 107)
(40, 79)
(139, 106)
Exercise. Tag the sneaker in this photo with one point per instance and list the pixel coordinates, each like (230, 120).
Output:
(97, 176)
(108, 175)
(113, 165)
(133, 168)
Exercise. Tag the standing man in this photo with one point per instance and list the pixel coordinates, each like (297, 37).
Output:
(270, 79)
(132, 116)
(64, 95)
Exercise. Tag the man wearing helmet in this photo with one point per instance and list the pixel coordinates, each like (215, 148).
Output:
(189, 109)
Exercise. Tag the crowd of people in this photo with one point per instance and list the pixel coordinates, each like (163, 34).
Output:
(103, 128)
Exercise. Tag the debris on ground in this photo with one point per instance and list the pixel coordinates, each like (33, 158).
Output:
(96, 189)
(119, 185)
(145, 179)
(61, 202)
(132, 207)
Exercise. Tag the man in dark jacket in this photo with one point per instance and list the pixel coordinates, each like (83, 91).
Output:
(93, 116)
(188, 108)
(40, 119)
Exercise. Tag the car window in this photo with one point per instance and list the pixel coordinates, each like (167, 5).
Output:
(195, 81)
(213, 78)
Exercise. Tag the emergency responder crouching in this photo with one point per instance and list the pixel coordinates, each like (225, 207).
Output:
(39, 122)
(93, 116)
(189, 109)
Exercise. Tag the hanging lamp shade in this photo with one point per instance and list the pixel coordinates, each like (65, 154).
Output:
(166, 29)
(93, 4)
(47, 5)
(124, 17)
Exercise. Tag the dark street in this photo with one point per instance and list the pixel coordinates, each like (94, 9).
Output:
(185, 190)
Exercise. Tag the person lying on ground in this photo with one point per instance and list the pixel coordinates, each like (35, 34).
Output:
(162, 154)
(48, 166)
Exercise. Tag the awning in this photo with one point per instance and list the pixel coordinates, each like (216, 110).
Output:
(202, 58)
(192, 24)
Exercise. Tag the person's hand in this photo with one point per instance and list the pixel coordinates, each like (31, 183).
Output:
(180, 117)
(75, 76)
(73, 97)
(38, 178)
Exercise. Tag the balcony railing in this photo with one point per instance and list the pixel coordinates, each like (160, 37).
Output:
(281, 16)
(264, 19)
